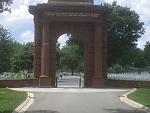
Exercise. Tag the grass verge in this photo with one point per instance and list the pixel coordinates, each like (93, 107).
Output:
(141, 96)
(10, 100)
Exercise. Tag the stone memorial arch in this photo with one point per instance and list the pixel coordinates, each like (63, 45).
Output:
(78, 17)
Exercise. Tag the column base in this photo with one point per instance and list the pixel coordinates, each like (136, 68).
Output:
(98, 81)
(44, 81)
(35, 82)
(87, 81)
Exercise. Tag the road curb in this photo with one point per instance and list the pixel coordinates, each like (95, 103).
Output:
(26, 104)
(132, 103)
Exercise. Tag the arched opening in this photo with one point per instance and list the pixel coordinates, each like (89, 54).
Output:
(69, 61)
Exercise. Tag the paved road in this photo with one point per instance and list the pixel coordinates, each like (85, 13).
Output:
(76, 100)
(70, 81)
(66, 100)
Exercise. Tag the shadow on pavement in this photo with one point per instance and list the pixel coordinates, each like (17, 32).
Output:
(125, 111)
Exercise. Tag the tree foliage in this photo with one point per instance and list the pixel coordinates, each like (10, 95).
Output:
(58, 55)
(22, 59)
(4, 5)
(5, 40)
(76, 40)
(138, 59)
(6, 49)
(70, 57)
(147, 53)
(133, 57)
(13, 55)
(124, 29)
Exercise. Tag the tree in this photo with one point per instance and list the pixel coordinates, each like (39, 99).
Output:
(16, 61)
(147, 53)
(58, 55)
(4, 5)
(70, 57)
(6, 49)
(124, 29)
(138, 59)
(22, 59)
(133, 57)
(28, 57)
(5, 40)
(76, 40)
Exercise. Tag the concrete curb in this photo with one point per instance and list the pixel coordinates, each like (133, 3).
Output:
(26, 104)
(132, 103)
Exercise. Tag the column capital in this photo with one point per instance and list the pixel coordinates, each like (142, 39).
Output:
(101, 21)
(38, 16)
(45, 20)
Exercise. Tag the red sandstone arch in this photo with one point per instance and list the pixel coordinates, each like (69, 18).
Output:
(88, 22)
(84, 31)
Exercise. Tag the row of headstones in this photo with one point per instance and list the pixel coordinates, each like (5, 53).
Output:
(143, 76)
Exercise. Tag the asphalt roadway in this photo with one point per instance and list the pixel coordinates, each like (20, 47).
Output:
(69, 81)
(76, 100)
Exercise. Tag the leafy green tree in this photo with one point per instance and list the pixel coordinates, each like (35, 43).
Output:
(147, 53)
(6, 49)
(124, 29)
(70, 57)
(28, 57)
(22, 60)
(133, 57)
(16, 61)
(5, 40)
(138, 58)
(76, 40)
(58, 55)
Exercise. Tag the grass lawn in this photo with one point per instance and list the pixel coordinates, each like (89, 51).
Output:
(141, 96)
(9, 100)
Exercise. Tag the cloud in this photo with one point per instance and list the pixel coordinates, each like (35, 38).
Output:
(27, 36)
(144, 38)
(62, 40)
(97, 2)
(19, 20)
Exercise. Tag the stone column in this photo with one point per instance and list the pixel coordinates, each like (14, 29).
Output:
(105, 42)
(37, 49)
(98, 78)
(52, 66)
(89, 59)
(104, 59)
(44, 78)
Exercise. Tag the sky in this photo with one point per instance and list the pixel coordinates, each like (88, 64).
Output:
(20, 22)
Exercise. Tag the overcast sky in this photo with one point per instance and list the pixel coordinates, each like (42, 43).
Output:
(20, 23)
